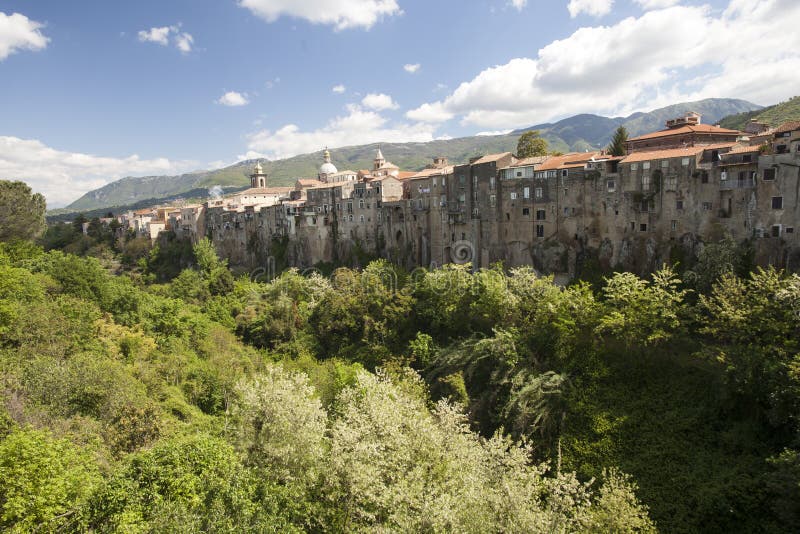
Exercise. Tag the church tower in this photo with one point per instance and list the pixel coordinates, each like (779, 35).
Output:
(379, 160)
(258, 178)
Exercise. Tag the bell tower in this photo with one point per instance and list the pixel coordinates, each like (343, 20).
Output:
(258, 178)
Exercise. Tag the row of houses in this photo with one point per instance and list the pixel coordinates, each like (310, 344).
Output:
(674, 190)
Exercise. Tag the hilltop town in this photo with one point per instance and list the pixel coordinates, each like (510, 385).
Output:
(674, 189)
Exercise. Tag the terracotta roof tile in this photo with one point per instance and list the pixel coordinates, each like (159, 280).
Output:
(788, 127)
(684, 130)
(491, 157)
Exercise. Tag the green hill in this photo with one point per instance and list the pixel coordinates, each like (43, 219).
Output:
(578, 133)
(771, 115)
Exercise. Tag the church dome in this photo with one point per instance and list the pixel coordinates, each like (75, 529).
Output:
(327, 168)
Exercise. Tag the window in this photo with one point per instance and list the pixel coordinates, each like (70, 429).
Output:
(526, 211)
(462, 179)
(707, 206)
(645, 165)
(361, 218)
(704, 177)
(790, 229)
(611, 186)
(519, 174)
(664, 163)
(685, 162)
(474, 181)
(679, 204)
(643, 227)
(434, 181)
(670, 183)
(379, 216)
(645, 182)
(566, 212)
(492, 200)
(538, 192)
(564, 173)
(361, 203)
(747, 158)
(351, 218)
(769, 174)
(776, 230)
(634, 166)
(526, 192)
(442, 181)
(541, 215)
(633, 225)
(514, 195)
(777, 203)
(539, 230)
(673, 225)
(491, 182)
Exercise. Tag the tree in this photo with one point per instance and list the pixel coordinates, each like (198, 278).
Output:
(530, 145)
(617, 145)
(21, 212)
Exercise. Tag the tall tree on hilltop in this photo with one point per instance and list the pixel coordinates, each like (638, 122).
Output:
(617, 145)
(21, 212)
(530, 145)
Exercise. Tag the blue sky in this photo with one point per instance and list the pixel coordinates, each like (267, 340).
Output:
(95, 90)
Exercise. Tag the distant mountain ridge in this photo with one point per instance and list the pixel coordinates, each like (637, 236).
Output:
(578, 133)
(770, 115)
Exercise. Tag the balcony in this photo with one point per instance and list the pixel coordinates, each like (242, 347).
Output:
(729, 185)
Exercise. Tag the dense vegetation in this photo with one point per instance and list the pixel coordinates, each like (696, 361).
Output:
(139, 395)
(770, 115)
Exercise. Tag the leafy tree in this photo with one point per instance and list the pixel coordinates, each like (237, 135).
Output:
(21, 212)
(617, 146)
(530, 144)
(641, 313)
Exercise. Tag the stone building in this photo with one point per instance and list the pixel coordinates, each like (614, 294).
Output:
(675, 190)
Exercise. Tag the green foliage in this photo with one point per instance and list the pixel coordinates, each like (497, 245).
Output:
(530, 144)
(617, 146)
(21, 212)
(44, 482)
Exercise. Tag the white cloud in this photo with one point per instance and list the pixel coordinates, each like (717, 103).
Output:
(519, 5)
(493, 132)
(64, 176)
(183, 41)
(656, 4)
(156, 35)
(341, 14)
(358, 127)
(233, 99)
(411, 67)
(272, 83)
(379, 102)
(18, 32)
(596, 8)
(665, 56)
(339, 89)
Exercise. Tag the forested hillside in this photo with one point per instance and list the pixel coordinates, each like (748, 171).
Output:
(145, 389)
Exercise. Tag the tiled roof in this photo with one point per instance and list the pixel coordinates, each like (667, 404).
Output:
(688, 129)
(266, 191)
(788, 127)
(491, 157)
(568, 161)
(405, 175)
(524, 162)
(424, 173)
(309, 182)
(673, 152)
(744, 149)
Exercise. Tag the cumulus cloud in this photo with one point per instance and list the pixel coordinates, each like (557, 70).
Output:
(341, 14)
(656, 4)
(18, 32)
(339, 89)
(662, 56)
(184, 42)
(62, 176)
(156, 35)
(411, 67)
(519, 5)
(596, 8)
(379, 102)
(359, 126)
(161, 35)
(233, 99)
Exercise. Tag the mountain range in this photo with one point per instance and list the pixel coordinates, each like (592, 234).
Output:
(576, 133)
